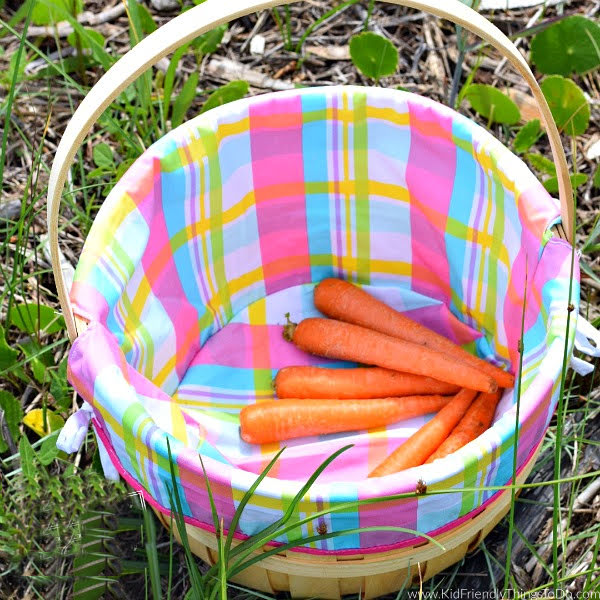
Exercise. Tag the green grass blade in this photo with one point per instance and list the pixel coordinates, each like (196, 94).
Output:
(11, 94)
(319, 21)
(221, 563)
(170, 584)
(152, 554)
(174, 498)
(293, 504)
(246, 498)
(560, 408)
(513, 492)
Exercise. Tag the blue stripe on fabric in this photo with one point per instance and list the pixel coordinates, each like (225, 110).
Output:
(315, 148)
(460, 209)
(345, 492)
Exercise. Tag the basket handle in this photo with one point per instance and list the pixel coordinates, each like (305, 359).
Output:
(212, 13)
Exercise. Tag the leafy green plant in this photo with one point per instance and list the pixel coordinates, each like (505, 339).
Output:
(596, 177)
(569, 107)
(543, 165)
(208, 42)
(527, 136)
(577, 180)
(492, 104)
(184, 99)
(570, 45)
(8, 356)
(234, 90)
(373, 55)
(27, 523)
(50, 13)
(12, 413)
(36, 318)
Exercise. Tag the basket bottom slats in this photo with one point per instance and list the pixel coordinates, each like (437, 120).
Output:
(330, 577)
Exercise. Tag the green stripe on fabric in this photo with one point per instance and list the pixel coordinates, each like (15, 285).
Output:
(171, 162)
(470, 472)
(311, 116)
(361, 176)
(216, 219)
(124, 267)
(286, 500)
(263, 381)
(494, 253)
(139, 329)
(130, 416)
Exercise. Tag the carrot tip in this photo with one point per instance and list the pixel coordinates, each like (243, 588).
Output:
(289, 328)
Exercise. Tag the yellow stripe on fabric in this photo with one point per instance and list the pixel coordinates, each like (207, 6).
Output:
(117, 427)
(344, 114)
(260, 501)
(375, 188)
(104, 237)
(388, 190)
(203, 225)
(179, 428)
(162, 375)
(178, 398)
(141, 296)
(484, 239)
(257, 316)
(225, 130)
(344, 188)
(134, 324)
(246, 280)
(375, 265)
(388, 114)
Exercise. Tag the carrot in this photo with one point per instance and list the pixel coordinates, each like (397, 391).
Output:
(477, 419)
(373, 382)
(344, 301)
(425, 441)
(336, 339)
(276, 420)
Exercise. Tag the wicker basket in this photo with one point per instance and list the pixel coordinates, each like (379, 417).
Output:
(328, 575)
(370, 575)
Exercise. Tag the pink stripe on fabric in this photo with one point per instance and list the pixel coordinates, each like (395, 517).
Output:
(278, 176)
(431, 165)
(88, 302)
(160, 270)
(233, 347)
(240, 536)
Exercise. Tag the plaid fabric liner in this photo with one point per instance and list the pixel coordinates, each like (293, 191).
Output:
(227, 223)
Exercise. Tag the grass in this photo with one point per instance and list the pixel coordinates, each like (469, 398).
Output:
(67, 530)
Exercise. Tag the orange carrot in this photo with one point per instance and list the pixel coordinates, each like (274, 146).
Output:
(426, 440)
(276, 420)
(344, 301)
(373, 382)
(336, 339)
(476, 420)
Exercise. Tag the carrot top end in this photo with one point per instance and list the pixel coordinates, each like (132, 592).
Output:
(289, 328)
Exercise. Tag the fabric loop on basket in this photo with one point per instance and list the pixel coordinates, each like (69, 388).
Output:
(584, 333)
(110, 471)
(75, 429)
(73, 433)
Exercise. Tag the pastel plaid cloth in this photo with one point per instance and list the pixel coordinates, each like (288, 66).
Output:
(227, 223)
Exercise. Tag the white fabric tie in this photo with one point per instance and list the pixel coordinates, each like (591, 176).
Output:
(73, 433)
(585, 334)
